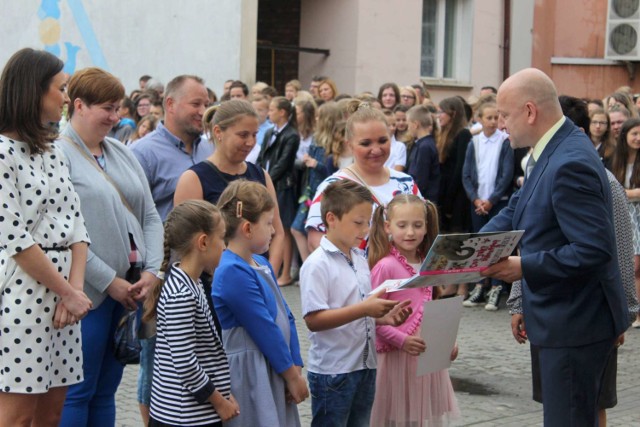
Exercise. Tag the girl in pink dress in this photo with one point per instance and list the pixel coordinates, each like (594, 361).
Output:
(396, 248)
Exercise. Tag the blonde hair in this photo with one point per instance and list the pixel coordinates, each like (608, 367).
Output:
(328, 115)
(183, 223)
(337, 144)
(362, 112)
(379, 244)
(412, 91)
(243, 200)
(294, 84)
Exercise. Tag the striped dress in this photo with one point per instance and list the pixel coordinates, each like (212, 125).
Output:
(190, 362)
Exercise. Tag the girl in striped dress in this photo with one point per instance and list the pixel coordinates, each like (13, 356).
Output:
(191, 385)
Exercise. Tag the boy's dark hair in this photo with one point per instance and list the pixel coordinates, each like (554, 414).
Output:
(576, 110)
(269, 91)
(490, 88)
(401, 108)
(241, 85)
(145, 78)
(341, 196)
(318, 78)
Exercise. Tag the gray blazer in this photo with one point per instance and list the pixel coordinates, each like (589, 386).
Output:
(108, 221)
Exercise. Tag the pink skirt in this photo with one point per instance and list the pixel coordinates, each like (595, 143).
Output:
(404, 399)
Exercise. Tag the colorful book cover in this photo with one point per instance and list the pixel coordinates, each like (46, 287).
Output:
(459, 258)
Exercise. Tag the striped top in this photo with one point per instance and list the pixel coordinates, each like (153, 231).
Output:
(190, 362)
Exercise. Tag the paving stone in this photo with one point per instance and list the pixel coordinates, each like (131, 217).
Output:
(491, 377)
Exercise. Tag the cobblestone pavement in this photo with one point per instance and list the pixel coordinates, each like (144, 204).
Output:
(491, 377)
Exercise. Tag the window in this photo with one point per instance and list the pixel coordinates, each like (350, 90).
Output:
(447, 31)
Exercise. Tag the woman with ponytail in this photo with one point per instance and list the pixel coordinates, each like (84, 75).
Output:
(232, 127)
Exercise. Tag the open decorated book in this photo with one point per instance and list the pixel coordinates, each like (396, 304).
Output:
(459, 258)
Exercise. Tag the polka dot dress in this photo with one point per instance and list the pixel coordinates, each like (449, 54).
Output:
(37, 206)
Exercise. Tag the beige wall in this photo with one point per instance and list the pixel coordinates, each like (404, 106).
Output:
(521, 34)
(375, 41)
(486, 61)
(371, 42)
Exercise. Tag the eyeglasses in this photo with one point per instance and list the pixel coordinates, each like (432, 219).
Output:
(144, 105)
(597, 123)
(407, 97)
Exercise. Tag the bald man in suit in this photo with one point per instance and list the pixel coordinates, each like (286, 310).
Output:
(573, 300)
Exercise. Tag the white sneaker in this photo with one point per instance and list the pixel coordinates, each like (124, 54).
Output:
(493, 299)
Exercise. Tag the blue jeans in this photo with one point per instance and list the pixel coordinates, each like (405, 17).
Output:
(342, 400)
(92, 402)
(145, 373)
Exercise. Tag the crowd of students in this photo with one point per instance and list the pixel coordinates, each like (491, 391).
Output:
(254, 190)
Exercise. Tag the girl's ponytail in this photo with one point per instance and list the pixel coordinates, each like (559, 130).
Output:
(150, 305)
(432, 227)
(183, 223)
(379, 246)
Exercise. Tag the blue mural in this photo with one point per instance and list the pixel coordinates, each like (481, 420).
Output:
(50, 31)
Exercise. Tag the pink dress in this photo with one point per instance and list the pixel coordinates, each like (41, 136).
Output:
(402, 398)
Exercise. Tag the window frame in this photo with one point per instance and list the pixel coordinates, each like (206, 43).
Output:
(462, 42)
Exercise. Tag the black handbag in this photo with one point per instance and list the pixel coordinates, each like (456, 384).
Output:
(126, 344)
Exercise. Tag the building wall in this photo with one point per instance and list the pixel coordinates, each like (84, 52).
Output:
(521, 42)
(371, 42)
(376, 41)
(215, 39)
(576, 29)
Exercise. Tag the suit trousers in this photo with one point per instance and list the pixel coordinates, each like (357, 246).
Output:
(571, 378)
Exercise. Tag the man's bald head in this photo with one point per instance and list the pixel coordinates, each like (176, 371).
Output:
(528, 103)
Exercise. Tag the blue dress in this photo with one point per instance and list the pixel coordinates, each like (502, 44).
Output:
(260, 339)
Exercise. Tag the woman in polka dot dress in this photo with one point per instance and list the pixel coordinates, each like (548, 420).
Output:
(43, 246)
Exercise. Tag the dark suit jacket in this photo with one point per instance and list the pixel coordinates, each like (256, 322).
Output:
(504, 175)
(572, 294)
(423, 165)
(280, 157)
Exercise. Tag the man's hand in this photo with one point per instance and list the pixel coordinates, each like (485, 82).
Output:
(620, 340)
(508, 270)
(517, 328)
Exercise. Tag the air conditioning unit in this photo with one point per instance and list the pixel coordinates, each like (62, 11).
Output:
(623, 30)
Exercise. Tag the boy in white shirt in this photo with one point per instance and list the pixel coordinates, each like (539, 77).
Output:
(334, 286)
